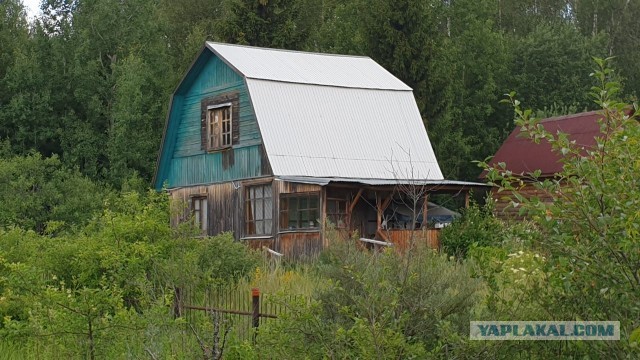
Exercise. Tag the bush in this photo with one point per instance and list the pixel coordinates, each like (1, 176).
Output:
(38, 193)
(99, 288)
(376, 305)
(590, 232)
(476, 227)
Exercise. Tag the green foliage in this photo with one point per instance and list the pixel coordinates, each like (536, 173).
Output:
(86, 292)
(377, 305)
(265, 23)
(476, 227)
(43, 195)
(590, 232)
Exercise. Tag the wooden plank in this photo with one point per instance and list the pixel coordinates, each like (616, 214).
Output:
(376, 242)
(295, 245)
(401, 238)
(225, 311)
(378, 213)
(323, 216)
(383, 235)
(425, 210)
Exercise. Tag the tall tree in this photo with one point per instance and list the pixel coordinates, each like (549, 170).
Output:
(266, 23)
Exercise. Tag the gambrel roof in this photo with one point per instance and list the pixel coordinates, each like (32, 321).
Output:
(332, 116)
(307, 68)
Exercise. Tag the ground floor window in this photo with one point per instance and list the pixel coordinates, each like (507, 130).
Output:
(299, 211)
(258, 210)
(199, 211)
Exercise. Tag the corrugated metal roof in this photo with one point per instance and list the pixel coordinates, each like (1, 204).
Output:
(324, 131)
(379, 182)
(307, 68)
(523, 156)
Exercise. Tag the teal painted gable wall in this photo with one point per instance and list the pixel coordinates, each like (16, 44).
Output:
(182, 162)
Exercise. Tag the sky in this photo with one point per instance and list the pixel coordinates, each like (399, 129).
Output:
(32, 6)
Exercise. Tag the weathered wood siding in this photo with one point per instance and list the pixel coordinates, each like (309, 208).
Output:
(402, 238)
(298, 245)
(183, 161)
(225, 203)
(224, 206)
(258, 244)
(503, 209)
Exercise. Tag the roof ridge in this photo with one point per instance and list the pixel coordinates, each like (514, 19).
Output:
(289, 50)
(569, 116)
(409, 88)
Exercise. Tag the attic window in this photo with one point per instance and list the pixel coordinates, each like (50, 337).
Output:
(219, 126)
(219, 122)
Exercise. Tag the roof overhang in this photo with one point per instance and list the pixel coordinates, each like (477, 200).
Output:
(432, 185)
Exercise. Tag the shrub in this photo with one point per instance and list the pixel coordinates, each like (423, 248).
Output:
(377, 305)
(476, 227)
(38, 191)
(589, 233)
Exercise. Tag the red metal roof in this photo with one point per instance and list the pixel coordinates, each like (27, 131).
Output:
(522, 156)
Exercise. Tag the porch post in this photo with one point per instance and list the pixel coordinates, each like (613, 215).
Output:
(381, 206)
(378, 213)
(350, 208)
(425, 204)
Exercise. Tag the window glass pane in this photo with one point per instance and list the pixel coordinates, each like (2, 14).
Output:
(267, 191)
(304, 202)
(293, 223)
(204, 215)
(258, 190)
(267, 227)
(304, 218)
(313, 202)
(331, 207)
(313, 218)
(196, 204)
(268, 208)
(259, 227)
(259, 209)
(293, 206)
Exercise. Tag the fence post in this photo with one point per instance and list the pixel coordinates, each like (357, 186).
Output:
(177, 302)
(255, 316)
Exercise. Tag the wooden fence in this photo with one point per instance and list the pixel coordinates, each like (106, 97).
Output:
(226, 311)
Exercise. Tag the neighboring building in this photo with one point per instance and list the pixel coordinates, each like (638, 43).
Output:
(269, 144)
(522, 156)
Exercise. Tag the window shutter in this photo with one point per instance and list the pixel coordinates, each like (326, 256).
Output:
(235, 120)
(234, 99)
(203, 125)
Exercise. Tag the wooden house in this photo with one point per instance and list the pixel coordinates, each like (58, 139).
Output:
(272, 144)
(522, 156)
